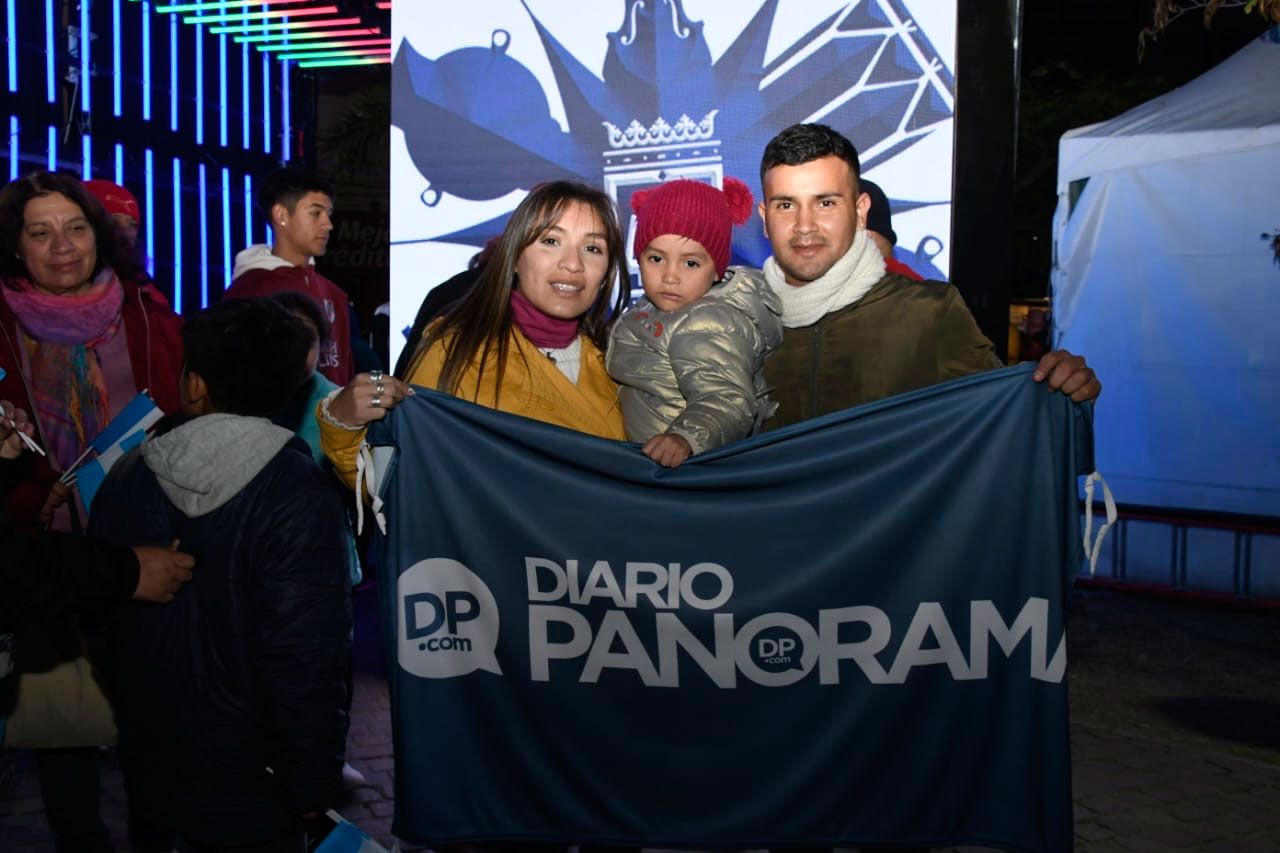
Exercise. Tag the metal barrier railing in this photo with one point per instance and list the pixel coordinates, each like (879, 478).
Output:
(1255, 554)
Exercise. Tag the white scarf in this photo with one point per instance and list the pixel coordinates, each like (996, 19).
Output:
(844, 284)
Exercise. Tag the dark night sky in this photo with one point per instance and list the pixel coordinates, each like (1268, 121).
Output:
(1103, 34)
(1080, 65)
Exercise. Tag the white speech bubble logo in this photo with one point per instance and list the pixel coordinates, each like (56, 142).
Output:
(446, 621)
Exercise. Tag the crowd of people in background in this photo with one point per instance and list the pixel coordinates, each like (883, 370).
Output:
(213, 576)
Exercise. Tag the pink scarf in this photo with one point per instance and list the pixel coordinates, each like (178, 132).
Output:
(61, 335)
(544, 330)
(79, 319)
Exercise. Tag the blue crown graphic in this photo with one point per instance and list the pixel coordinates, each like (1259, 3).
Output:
(477, 123)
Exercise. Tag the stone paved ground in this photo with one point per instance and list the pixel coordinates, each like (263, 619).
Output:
(1175, 735)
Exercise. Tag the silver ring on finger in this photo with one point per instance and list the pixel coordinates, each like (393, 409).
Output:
(376, 401)
(379, 388)
(375, 376)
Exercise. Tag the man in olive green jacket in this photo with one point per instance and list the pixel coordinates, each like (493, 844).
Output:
(852, 332)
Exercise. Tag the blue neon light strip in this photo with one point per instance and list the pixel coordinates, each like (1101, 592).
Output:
(222, 91)
(13, 148)
(150, 178)
(86, 152)
(244, 92)
(204, 239)
(13, 45)
(226, 227)
(86, 84)
(119, 164)
(177, 235)
(287, 144)
(266, 104)
(48, 51)
(248, 210)
(53, 148)
(173, 74)
(146, 63)
(117, 96)
(200, 84)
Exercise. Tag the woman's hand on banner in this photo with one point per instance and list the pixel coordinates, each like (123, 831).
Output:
(368, 397)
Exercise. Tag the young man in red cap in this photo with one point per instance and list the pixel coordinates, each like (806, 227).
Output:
(690, 355)
(299, 207)
(123, 208)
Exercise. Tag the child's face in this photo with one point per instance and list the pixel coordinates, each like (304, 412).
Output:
(675, 271)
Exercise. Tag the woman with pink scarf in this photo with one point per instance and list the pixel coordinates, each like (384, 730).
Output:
(79, 339)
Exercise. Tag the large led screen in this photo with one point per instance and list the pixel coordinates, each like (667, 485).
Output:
(499, 95)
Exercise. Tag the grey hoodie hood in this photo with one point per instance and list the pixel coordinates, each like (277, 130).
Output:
(258, 258)
(209, 460)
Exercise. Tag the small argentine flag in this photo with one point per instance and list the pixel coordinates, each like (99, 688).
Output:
(344, 836)
(125, 432)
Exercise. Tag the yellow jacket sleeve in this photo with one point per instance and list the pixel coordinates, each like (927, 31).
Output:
(341, 446)
(531, 386)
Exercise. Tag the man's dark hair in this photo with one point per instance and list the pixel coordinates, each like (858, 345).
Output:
(287, 186)
(804, 143)
(251, 353)
(301, 305)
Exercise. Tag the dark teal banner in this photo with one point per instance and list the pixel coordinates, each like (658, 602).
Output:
(846, 632)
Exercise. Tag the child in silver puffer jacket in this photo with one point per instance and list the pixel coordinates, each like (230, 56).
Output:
(689, 356)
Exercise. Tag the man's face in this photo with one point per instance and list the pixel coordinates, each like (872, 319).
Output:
(304, 231)
(811, 215)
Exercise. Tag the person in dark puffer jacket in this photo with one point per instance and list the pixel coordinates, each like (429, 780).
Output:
(231, 702)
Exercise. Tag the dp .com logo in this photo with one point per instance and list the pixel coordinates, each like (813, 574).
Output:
(447, 622)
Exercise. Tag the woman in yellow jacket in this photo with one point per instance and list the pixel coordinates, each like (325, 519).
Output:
(527, 339)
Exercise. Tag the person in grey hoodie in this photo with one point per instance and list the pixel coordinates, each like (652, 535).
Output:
(231, 702)
(690, 355)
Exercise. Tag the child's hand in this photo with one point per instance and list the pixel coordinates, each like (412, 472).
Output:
(667, 450)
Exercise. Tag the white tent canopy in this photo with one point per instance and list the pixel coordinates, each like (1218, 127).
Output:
(1162, 281)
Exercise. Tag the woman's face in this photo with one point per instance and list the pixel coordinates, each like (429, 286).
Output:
(561, 272)
(57, 245)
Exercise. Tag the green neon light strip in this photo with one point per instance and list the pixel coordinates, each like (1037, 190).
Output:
(313, 34)
(223, 5)
(335, 63)
(287, 25)
(260, 16)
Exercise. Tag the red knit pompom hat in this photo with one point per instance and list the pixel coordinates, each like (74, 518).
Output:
(115, 198)
(693, 210)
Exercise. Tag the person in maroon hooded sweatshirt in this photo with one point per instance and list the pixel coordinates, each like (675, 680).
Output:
(299, 207)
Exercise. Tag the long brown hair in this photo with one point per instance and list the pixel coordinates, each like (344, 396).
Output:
(480, 323)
